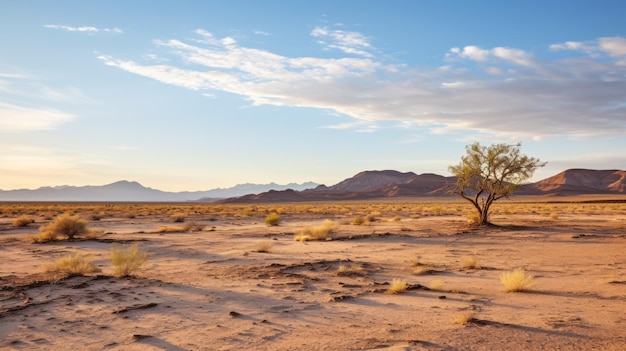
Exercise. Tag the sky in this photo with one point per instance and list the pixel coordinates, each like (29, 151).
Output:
(197, 95)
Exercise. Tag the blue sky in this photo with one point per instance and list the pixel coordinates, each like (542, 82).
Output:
(195, 95)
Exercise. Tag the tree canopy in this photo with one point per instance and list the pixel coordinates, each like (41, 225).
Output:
(487, 174)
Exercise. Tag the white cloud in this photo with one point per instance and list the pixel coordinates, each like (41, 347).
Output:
(18, 118)
(611, 46)
(508, 92)
(87, 29)
(349, 42)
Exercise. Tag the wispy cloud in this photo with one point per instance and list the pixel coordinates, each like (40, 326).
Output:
(492, 91)
(15, 118)
(348, 42)
(86, 29)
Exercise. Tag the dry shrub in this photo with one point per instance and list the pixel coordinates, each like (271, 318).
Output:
(71, 265)
(396, 219)
(264, 246)
(22, 221)
(272, 219)
(464, 318)
(436, 285)
(193, 227)
(321, 232)
(359, 221)
(178, 217)
(65, 224)
(469, 262)
(397, 286)
(351, 269)
(554, 215)
(419, 270)
(126, 259)
(516, 280)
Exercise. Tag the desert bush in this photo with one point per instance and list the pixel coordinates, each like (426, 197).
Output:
(178, 217)
(350, 269)
(358, 221)
(464, 318)
(65, 224)
(436, 285)
(397, 286)
(126, 259)
(70, 265)
(421, 269)
(396, 219)
(193, 227)
(554, 215)
(22, 221)
(469, 262)
(272, 219)
(516, 280)
(264, 246)
(320, 232)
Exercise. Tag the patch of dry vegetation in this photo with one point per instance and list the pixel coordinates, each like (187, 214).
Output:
(264, 246)
(349, 269)
(272, 219)
(70, 265)
(516, 280)
(321, 232)
(126, 259)
(64, 225)
(23, 221)
(397, 286)
(464, 318)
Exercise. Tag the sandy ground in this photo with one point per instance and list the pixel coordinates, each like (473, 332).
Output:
(212, 290)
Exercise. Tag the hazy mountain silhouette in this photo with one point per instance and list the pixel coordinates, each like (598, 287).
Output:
(133, 191)
(387, 184)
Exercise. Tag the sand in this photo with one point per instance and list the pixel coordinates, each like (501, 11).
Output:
(212, 290)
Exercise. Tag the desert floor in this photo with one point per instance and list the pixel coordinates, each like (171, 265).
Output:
(216, 290)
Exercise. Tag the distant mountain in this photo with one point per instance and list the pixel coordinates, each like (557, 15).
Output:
(580, 181)
(389, 184)
(133, 191)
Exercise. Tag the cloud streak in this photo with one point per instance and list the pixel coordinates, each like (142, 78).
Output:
(84, 29)
(15, 118)
(496, 91)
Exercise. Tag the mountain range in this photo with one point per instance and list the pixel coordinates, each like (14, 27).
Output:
(133, 191)
(389, 184)
(362, 186)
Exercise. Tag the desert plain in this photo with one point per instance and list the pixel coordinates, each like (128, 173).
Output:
(219, 278)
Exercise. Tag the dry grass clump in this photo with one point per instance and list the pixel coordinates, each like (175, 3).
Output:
(178, 217)
(70, 265)
(397, 286)
(464, 318)
(22, 221)
(516, 280)
(126, 259)
(187, 227)
(264, 246)
(273, 219)
(349, 269)
(359, 221)
(437, 285)
(65, 224)
(469, 262)
(320, 232)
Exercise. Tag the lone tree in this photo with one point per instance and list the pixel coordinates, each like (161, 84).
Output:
(487, 174)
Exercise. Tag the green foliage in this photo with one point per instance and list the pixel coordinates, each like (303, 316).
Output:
(486, 174)
(126, 259)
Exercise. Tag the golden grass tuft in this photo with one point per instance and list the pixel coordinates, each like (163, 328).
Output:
(65, 224)
(70, 265)
(126, 259)
(436, 285)
(397, 286)
(464, 318)
(469, 262)
(273, 219)
(349, 269)
(516, 280)
(23, 221)
(421, 269)
(264, 246)
(320, 232)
